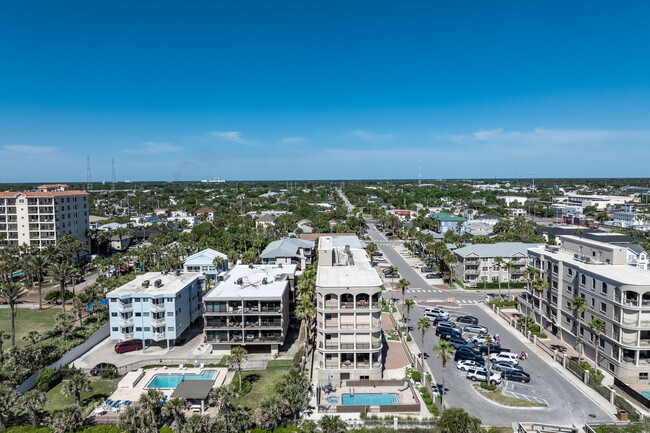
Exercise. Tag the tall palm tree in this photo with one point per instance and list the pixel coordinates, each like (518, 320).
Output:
(199, 424)
(11, 293)
(75, 384)
(579, 306)
(62, 272)
(38, 265)
(530, 274)
(424, 324)
(223, 397)
(237, 356)
(3, 337)
(498, 263)
(63, 323)
(305, 310)
(392, 270)
(539, 285)
(599, 327)
(175, 408)
(32, 336)
(408, 303)
(371, 249)
(68, 419)
(32, 402)
(150, 403)
(510, 267)
(403, 284)
(332, 424)
(443, 351)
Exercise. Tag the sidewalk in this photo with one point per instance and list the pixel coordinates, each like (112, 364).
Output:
(577, 383)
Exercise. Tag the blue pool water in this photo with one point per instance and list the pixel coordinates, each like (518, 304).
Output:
(171, 380)
(333, 400)
(645, 393)
(369, 399)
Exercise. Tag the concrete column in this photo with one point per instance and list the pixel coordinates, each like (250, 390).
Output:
(564, 358)
(395, 422)
(555, 355)
(528, 335)
(585, 377)
(612, 395)
(535, 340)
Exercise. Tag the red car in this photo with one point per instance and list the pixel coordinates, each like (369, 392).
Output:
(128, 346)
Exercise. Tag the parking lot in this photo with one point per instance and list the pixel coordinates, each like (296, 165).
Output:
(567, 405)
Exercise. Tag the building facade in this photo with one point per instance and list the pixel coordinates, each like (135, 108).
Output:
(445, 222)
(39, 218)
(349, 339)
(616, 292)
(156, 306)
(250, 307)
(289, 251)
(206, 262)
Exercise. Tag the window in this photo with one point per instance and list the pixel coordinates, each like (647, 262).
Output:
(593, 302)
(555, 284)
(113, 300)
(138, 329)
(147, 329)
(170, 313)
(554, 301)
(569, 271)
(138, 314)
(555, 269)
(593, 284)
(601, 343)
(603, 289)
(114, 328)
(569, 289)
(643, 376)
(603, 307)
(485, 268)
(145, 314)
(583, 280)
(567, 320)
(170, 299)
(171, 328)
(113, 314)
(136, 300)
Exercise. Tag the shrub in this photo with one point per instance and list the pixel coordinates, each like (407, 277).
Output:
(416, 375)
(488, 386)
(297, 358)
(408, 338)
(428, 401)
(429, 378)
(503, 285)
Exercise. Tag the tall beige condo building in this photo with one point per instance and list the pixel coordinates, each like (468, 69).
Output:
(40, 217)
(349, 311)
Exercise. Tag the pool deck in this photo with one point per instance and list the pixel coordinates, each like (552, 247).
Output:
(405, 397)
(134, 384)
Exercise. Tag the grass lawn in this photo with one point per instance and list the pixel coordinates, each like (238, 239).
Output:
(263, 381)
(505, 400)
(102, 389)
(28, 320)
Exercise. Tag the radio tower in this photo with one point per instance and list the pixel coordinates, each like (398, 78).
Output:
(419, 173)
(89, 177)
(113, 173)
(533, 181)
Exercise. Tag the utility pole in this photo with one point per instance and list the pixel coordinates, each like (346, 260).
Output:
(89, 178)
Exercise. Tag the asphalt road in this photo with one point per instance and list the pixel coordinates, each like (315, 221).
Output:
(567, 404)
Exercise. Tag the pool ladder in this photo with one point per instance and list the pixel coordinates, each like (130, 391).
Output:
(351, 391)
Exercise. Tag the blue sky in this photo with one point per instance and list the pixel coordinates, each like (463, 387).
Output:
(323, 90)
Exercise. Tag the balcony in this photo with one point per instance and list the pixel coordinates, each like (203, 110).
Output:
(126, 336)
(125, 323)
(156, 308)
(158, 336)
(125, 307)
(472, 271)
(158, 322)
(216, 324)
(272, 324)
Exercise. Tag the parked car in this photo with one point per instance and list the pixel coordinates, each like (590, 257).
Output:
(426, 269)
(467, 319)
(393, 276)
(404, 252)
(466, 364)
(438, 311)
(458, 342)
(430, 276)
(483, 375)
(377, 254)
(494, 348)
(103, 367)
(447, 333)
(469, 354)
(482, 338)
(477, 329)
(518, 375)
(449, 325)
(505, 366)
(505, 356)
(439, 319)
(418, 265)
(128, 346)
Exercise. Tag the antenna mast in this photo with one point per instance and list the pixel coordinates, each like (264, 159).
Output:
(89, 177)
(113, 174)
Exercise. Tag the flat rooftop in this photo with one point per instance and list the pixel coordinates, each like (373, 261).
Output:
(171, 284)
(624, 274)
(357, 273)
(326, 242)
(253, 282)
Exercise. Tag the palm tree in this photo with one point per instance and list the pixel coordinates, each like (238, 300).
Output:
(199, 424)
(63, 323)
(150, 403)
(332, 424)
(31, 402)
(62, 272)
(408, 303)
(38, 266)
(269, 414)
(223, 397)
(218, 262)
(579, 306)
(530, 274)
(599, 327)
(443, 351)
(8, 400)
(371, 249)
(539, 285)
(305, 310)
(237, 356)
(403, 284)
(32, 337)
(498, 263)
(392, 270)
(11, 293)
(175, 408)
(68, 419)
(75, 384)
(424, 324)
(510, 267)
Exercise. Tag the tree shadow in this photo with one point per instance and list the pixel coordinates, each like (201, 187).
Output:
(251, 378)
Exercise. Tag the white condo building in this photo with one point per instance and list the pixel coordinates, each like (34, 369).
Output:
(40, 217)
(349, 339)
(156, 306)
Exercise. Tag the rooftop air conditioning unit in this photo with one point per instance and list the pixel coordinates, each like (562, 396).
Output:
(280, 265)
(157, 283)
(145, 283)
(250, 266)
(265, 281)
(587, 259)
(240, 281)
(177, 272)
(577, 256)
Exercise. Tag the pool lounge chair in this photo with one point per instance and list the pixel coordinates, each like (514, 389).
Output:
(117, 403)
(108, 402)
(325, 406)
(164, 399)
(202, 365)
(403, 387)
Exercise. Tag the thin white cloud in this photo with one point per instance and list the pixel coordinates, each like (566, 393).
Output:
(152, 147)
(371, 136)
(290, 140)
(233, 136)
(29, 150)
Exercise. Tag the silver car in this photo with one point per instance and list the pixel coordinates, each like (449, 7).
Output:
(477, 329)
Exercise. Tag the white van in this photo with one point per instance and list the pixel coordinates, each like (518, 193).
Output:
(435, 312)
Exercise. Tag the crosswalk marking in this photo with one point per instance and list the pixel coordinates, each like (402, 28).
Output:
(424, 291)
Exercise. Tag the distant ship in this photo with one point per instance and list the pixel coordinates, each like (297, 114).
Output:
(214, 180)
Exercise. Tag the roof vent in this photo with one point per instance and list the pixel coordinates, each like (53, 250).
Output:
(240, 281)
(250, 266)
(145, 283)
(280, 265)
(177, 272)
(265, 281)
(158, 282)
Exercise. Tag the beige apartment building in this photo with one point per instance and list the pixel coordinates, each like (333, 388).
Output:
(40, 217)
(349, 340)
(616, 292)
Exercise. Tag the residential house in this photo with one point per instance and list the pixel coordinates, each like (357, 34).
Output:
(445, 222)
(289, 251)
(204, 262)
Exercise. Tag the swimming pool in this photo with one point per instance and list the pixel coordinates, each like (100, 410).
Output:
(645, 393)
(369, 399)
(171, 380)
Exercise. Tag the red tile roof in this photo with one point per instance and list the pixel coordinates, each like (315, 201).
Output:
(205, 210)
(52, 185)
(41, 193)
